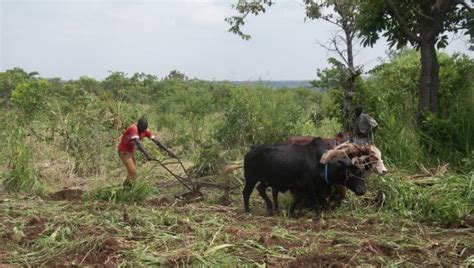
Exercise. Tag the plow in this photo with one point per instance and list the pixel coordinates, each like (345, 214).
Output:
(194, 184)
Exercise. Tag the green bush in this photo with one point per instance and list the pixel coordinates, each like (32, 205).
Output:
(21, 176)
(258, 116)
(29, 97)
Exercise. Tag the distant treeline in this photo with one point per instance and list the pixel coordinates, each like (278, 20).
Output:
(279, 84)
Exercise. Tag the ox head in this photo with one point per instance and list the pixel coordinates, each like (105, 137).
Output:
(349, 175)
(371, 159)
(342, 137)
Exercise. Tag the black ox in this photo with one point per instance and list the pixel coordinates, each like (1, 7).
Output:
(297, 168)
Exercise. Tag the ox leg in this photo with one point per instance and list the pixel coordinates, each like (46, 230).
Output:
(314, 199)
(262, 187)
(249, 185)
(275, 199)
(297, 197)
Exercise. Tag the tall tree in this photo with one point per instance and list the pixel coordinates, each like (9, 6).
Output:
(343, 16)
(422, 23)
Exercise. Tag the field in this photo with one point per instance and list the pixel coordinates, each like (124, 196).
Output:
(61, 200)
(69, 229)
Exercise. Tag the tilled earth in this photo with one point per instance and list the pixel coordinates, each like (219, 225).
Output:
(63, 230)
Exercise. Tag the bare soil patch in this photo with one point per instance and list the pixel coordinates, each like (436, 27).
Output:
(69, 194)
(106, 255)
(34, 228)
(160, 202)
(334, 261)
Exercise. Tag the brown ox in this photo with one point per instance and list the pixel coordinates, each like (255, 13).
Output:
(341, 137)
(366, 157)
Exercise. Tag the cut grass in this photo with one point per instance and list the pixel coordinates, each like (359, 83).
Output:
(98, 232)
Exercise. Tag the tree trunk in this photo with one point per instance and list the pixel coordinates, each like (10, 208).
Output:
(347, 103)
(429, 80)
(349, 88)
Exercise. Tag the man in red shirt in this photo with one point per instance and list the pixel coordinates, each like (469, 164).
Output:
(131, 138)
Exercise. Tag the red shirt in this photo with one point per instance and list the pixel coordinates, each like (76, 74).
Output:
(126, 144)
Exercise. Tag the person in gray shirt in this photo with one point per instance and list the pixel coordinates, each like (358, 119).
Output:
(364, 127)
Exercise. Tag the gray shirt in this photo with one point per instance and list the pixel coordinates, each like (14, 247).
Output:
(364, 126)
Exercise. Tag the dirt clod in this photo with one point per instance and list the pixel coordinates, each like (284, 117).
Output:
(224, 200)
(105, 254)
(160, 202)
(189, 197)
(68, 194)
(34, 228)
(320, 261)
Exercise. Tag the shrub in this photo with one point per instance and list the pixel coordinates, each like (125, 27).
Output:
(258, 116)
(29, 97)
(21, 175)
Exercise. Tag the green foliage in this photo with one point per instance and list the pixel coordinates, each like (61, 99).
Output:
(329, 78)
(89, 139)
(175, 74)
(29, 97)
(447, 136)
(450, 132)
(210, 158)
(378, 17)
(141, 189)
(10, 79)
(212, 123)
(21, 175)
(244, 7)
(259, 116)
(395, 83)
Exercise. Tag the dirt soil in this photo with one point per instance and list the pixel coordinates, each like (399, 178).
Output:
(68, 194)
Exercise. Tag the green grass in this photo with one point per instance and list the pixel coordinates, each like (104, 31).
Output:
(140, 190)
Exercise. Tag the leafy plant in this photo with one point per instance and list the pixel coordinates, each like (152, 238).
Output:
(140, 190)
(21, 176)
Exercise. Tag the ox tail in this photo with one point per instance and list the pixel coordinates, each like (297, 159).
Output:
(231, 168)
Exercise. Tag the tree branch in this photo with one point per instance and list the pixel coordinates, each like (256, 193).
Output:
(339, 51)
(411, 35)
(331, 21)
(424, 15)
(440, 9)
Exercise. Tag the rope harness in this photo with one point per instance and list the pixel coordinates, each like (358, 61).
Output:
(369, 164)
(326, 176)
(348, 175)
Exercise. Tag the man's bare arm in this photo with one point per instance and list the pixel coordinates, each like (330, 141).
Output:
(142, 149)
(163, 147)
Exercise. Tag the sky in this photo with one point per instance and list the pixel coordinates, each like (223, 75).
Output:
(74, 38)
